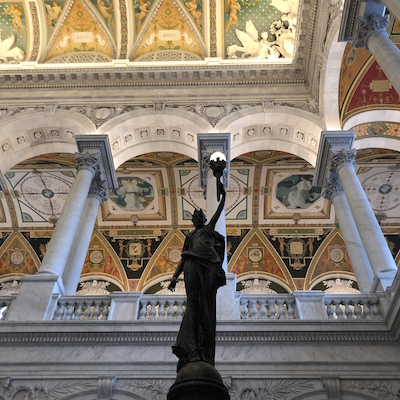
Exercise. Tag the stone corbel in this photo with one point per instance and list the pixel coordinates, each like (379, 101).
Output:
(105, 387)
(332, 387)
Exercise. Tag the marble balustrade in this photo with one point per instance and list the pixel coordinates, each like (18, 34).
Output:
(349, 307)
(252, 307)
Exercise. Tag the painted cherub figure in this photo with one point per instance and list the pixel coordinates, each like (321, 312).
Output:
(54, 12)
(144, 9)
(192, 8)
(233, 6)
(15, 11)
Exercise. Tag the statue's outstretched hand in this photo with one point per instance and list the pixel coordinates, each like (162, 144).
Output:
(172, 285)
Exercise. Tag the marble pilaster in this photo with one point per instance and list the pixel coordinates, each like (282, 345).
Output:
(379, 255)
(98, 193)
(372, 34)
(334, 192)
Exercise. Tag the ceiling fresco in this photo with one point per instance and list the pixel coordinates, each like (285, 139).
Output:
(377, 129)
(77, 31)
(137, 240)
(363, 85)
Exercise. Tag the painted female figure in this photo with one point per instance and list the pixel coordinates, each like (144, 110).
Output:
(201, 263)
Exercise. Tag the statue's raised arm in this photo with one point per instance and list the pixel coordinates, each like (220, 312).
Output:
(221, 205)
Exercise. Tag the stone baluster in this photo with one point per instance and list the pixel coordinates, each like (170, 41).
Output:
(372, 34)
(357, 310)
(152, 310)
(78, 310)
(290, 309)
(253, 309)
(263, 310)
(170, 311)
(59, 314)
(179, 311)
(334, 192)
(347, 309)
(161, 310)
(97, 194)
(104, 312)
(96, 310)
(272, 310)
(366, 310)
(379, 255)
(338, 310)
(244, 313)
(143, 311)
(88, 310)
(281, 309)
(70, 311)
(329, 310)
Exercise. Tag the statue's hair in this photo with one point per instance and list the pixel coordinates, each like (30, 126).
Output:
(199, 212)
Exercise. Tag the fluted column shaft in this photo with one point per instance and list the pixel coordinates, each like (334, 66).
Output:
(354, 246)
(61, 241)
(97, 194)
(379, 255)
(212, 205)
(372, 34)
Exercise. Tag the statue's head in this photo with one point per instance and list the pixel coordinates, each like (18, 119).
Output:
(198, 218)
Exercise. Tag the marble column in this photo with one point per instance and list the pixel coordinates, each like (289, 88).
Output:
(372, 34)
(333, 191)
(379, 255)
(393, 6)
(97, 194)
(61, 241)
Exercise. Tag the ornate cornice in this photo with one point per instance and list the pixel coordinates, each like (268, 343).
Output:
(367, 26)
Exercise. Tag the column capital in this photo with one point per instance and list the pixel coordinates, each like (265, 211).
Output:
(368, 25)
(98, 189)
(87, 161)
(332, 188)
(342, 158)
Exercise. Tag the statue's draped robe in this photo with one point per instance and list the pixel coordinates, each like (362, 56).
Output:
(202, 257)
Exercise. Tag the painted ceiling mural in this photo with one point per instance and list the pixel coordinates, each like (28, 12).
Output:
(363, 85)
(79, 31)
(138, 238)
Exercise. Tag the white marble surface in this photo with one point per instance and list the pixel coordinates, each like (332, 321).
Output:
(227, 302)
(124, 306)
(80, 245)
(310, 304)
(36, 300)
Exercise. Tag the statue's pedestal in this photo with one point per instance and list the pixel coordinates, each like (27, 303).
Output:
(198, 381)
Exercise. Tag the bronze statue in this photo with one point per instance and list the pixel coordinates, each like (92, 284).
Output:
(202, 257)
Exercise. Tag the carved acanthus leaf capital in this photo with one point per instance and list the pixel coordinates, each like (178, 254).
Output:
(87, 161)
(332, 188)
(368, 25)
(99, 189)
(342, 158)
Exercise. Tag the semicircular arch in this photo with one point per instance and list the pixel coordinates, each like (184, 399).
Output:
(141, 132)
(252, 129)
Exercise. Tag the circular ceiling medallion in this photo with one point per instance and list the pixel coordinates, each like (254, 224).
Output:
(17, 258)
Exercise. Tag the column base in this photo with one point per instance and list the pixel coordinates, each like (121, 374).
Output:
(382, 281)
(310, 304)
(37, 299)
(227, 299)
(198, 381)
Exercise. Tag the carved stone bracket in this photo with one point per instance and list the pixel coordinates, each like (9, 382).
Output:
(342, 158)
(332, 386)
(368, 25)
(332, 188)
(105, 388)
